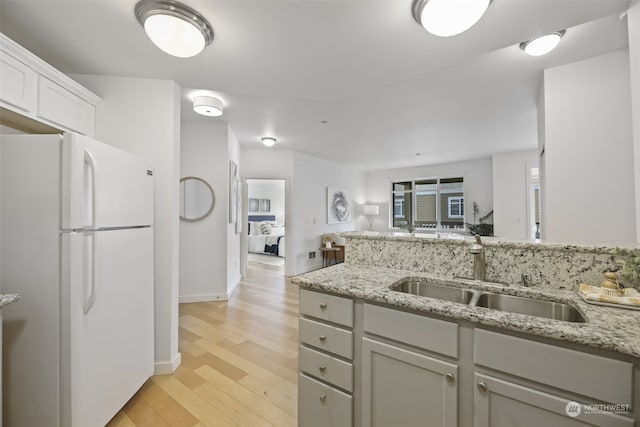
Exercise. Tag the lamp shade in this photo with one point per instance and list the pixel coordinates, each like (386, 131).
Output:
(207, 106)
(371, 209)
(446, 18)
(542, 45)
(174, 27)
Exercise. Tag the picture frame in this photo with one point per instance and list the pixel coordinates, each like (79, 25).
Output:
(254, 205)
(338, 205)
(265, 205)
(233, 192)
(238, 206)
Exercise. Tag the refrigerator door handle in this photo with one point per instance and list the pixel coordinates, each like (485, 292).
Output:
(89, 191)
(89, 272)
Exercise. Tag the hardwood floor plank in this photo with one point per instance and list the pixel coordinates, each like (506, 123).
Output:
(202, 409)
(254, 402)
(239, 362)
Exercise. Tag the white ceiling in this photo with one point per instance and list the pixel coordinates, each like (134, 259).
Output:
(388, 89)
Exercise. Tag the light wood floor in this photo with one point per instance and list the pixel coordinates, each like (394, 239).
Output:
(239, 362)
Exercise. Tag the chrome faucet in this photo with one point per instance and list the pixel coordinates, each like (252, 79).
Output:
(479, 262)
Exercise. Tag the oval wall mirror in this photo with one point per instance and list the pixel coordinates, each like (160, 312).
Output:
(197, 199)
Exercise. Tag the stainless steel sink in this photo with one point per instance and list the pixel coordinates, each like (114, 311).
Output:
(431, 290)
(501, 302)
(531, 307)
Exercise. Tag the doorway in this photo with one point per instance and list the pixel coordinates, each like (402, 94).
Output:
(266, 240)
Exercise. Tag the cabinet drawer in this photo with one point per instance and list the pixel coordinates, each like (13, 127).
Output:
(420, 331)
(18, 83)
(58, 105)
(322, 406)
(327, 307)
(327, 368)
(327, 338)
(589, 375)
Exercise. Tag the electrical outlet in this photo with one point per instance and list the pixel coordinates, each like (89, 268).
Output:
(311, 255)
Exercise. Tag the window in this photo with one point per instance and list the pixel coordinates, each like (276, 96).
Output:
(432, 203)
(456, 207)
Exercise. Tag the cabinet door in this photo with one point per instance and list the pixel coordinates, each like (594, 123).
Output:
(501, 403)
(17, 85)
(62, 107)
(404, 388)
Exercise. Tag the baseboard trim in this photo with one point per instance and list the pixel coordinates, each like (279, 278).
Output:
(236, 282)
(202, 298)
(168, 368)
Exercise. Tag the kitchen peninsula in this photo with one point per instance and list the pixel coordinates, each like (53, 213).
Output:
(425, 361)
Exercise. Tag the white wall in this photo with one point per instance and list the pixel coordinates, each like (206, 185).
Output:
(233, 239)
(308, 220)
(633, 21)
(307, 179)
(588, 173)
(510, 193)
(272, 190)
(209, 249)
(125, 118)
(203, 263)
(478, 186)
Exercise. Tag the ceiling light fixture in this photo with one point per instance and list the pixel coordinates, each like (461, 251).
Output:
(207, 106)
(174, 27)
(268, 141)
(446, 18)
(542, 45)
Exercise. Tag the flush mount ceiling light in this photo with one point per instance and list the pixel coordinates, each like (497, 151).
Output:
(268, 141)
(207, 106)
(174, 27)
(542, 45)
(446, 18)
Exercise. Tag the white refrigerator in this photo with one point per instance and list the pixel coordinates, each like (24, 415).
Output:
(76, 238)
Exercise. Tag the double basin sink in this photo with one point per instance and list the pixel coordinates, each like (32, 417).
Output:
(501, 302)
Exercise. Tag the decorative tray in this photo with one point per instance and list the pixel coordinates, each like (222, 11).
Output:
(629, 297)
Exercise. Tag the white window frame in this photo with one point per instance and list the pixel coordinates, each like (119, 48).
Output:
(439, 191)
(460, 203)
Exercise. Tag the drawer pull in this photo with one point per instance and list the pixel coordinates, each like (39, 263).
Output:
(482, 386)
(323, 398)
(322, 368)
(323, 306)
(450, 377)
(322, 338)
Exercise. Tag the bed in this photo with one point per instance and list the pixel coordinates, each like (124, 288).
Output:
(265, 236)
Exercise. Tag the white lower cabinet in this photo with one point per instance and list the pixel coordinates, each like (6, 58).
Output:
(325, 383)
(405, 388)
(369, 365)
(499, 403)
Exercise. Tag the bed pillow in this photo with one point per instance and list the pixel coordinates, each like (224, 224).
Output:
(279, 231)
(265, 227)
(254, 228)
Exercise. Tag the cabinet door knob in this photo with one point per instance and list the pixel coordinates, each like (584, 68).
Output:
(482, 386)
(323, 306)
(322, 338)
(323, 398)
(450, 377)
(322, 368)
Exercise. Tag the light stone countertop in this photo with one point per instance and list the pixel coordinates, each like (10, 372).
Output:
(611, 329)
(454, 238)
(8, 299)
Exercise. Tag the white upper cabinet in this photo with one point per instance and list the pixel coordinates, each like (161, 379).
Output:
(34, 89)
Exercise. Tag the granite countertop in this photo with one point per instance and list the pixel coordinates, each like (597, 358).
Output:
(454, 238)
(612, 329)
(8, 299)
